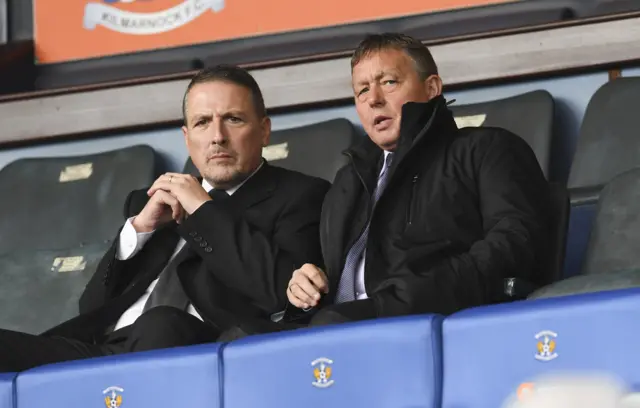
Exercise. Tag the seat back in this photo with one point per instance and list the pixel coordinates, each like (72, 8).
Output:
(315, 150)
(607, 146)
(608, 141)
(61, 202)
(383, 363)
(178, 377)
(612, 260)
(529, 116)
(489, 352)
(615, 236)
(65, 212)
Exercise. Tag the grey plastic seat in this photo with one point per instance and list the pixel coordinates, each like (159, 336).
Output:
(529, 115)
(59, 219)
(612, 258)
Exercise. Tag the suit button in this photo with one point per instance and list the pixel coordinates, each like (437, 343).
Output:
(203, 244)
(208, 249)
(197, 239)
(193, 234)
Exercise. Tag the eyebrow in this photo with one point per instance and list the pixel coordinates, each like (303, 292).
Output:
(197, 116)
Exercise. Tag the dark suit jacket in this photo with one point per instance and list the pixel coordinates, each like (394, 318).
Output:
(463, 210)
(243, 250)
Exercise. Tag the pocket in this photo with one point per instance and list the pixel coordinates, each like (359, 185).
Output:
(411, 203)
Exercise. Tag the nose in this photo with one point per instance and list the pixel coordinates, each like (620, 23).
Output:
(376, 97)
(218, 133)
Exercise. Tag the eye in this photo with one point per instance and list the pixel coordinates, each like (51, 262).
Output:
(390, 82)
(234, 119)
(363, 90)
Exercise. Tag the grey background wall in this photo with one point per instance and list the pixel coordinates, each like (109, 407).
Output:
(572, 94)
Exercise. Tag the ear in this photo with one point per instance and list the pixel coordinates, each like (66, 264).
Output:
(433, 86)
(185, 132)
(266, 130)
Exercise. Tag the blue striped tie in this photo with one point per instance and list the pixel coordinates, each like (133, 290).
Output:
(346, 288)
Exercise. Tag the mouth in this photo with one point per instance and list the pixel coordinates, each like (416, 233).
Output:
(219, 156)
(381, 122)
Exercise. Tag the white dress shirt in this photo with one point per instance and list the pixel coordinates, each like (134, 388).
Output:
(131, 242)
(361, 292)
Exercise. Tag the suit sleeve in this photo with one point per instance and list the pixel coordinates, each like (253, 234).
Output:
(514, 200)
(250, 262)
(105, 282)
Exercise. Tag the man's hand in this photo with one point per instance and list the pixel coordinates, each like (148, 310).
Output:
(306, 286)
(185, 188)
(172, 196)
(160, 209)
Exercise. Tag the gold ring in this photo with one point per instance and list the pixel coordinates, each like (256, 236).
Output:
(170, 179)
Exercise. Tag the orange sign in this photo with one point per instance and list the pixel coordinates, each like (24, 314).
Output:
(78, 29)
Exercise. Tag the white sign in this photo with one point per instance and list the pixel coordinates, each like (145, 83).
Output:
(127, 22)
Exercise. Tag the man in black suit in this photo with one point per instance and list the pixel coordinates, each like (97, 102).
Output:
(426, 217)
(195, 258)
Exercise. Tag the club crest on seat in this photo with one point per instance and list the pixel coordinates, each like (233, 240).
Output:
(322, 371)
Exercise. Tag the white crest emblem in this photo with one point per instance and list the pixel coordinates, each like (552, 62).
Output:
(322, 372)
(113, 397)
(546, 346)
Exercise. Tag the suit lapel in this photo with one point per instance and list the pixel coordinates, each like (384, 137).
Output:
(257, 189)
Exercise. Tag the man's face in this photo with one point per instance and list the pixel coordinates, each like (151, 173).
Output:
(383, 81)
(224, 133)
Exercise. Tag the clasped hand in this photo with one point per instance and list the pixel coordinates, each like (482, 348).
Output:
(172, 196)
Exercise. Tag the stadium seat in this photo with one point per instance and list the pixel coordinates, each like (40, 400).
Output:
(612, 260)
(607, 146)
(489, 352)
(529, 116)
(179, 377)
(6, 390)
(391, 362)
(64, 213)
(314, 149)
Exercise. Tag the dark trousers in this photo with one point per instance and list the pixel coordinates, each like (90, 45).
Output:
(160, 327)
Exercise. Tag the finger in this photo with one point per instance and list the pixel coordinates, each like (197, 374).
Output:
(176, 208)
(313, 293)
(302, 296)
(168, 179)
(163, 185)
(294, 300)
(178, 178)
(316, 276)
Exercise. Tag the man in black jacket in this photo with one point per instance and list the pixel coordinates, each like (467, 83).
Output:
(426, 217)
(197, 257)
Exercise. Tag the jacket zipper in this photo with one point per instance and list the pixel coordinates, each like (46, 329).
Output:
(414, 182)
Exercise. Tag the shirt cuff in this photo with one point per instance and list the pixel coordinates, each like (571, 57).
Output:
(131, 241)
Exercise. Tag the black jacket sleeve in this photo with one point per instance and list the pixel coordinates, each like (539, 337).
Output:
(514, 200)
(250, 262)
(103, 282)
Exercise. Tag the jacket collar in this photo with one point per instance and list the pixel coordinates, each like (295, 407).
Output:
(422, 122)
(257, 188)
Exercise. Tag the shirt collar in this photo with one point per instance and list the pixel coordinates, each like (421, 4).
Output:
(208, 187)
